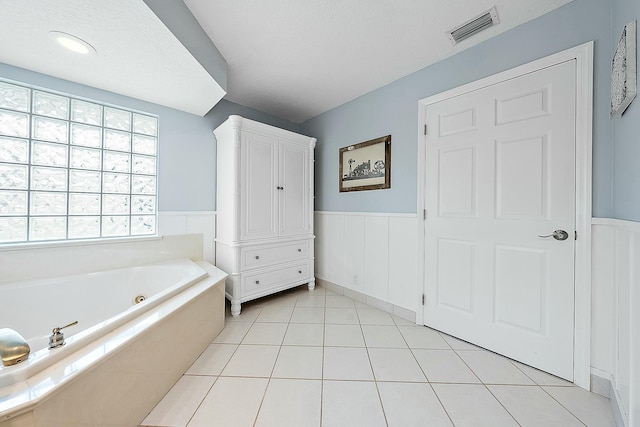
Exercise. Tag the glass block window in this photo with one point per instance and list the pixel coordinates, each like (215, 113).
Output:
(74, 169)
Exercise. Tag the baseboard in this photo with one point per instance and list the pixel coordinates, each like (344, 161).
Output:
(369, 300)
(600, 383)
(614, 399)
(604, 386)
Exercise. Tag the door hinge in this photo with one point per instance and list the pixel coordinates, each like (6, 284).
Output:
(422, 299)
(424, 214)
(425, 129)
(575, 235)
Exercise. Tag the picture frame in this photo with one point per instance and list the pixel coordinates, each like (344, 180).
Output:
(624, 72)
(366, 166)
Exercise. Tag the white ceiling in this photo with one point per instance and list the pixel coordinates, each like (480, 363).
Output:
(293, 59)
(136, 55)
(296, 59)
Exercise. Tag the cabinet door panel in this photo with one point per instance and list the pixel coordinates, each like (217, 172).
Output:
(294, 193)
(259, 177)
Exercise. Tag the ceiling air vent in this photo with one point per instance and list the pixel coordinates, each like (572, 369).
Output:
(468, 29)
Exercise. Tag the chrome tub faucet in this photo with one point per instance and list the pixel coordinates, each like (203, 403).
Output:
(57, 338)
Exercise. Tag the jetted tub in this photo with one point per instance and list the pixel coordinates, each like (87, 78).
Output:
(144, 325)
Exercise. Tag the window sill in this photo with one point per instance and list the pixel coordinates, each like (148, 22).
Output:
(67, 243)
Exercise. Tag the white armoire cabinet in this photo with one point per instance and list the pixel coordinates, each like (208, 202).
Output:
(264, 209)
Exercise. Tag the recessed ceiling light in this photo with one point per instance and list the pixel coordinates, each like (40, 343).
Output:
(73, 43)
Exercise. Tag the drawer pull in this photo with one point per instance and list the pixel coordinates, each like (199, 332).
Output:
(257, 282)
(257, 256)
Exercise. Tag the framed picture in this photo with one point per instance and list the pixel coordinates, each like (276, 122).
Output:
(366, 166)
(623, 72)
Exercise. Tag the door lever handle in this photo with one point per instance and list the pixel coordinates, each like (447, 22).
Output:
(558, 235)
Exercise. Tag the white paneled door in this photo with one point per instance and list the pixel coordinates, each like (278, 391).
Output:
(500, 173)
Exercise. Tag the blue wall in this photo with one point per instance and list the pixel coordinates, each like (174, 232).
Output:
(186, 159)
(626, 131)
(393, 109)
(187, 146)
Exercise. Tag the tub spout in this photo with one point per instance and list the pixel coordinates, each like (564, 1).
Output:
(57, 338)
(13, 347)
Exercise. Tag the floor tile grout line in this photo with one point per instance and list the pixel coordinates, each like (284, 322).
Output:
(264, 395)
(486, 386)
(415, 358)
(507, 384)
(467, 365)
(426, 376)
(364, 380)
(324, 329)
(232, 354)
(560, 403)
(534, 382)
(515, 363)
(373, 373)
(266, 389)
(444, 408)
(201, 402)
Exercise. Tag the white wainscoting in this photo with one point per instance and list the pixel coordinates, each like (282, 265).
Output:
(374, 254)
(191, 222)
(615, 330)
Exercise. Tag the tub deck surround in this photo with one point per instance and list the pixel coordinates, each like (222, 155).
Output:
(52, 302)
(28, 307)
(57, 259)
(138, 352)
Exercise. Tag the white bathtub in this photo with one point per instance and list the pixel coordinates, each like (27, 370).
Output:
(108, 321)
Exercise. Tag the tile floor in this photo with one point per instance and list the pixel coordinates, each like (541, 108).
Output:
(306, 359)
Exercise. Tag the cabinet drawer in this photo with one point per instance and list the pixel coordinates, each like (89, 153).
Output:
(262, 281)
(261, 256)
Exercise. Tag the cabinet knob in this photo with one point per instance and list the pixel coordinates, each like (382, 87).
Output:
(257, 282)
(300, 271)
(299, 250)
(257, 256)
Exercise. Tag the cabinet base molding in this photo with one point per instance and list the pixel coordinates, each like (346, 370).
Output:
(244, 287)
(236, 303)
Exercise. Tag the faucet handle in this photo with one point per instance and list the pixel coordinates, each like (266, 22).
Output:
(57, 338)
(57, 330)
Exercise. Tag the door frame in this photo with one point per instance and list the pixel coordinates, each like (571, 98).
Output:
(583, 54)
